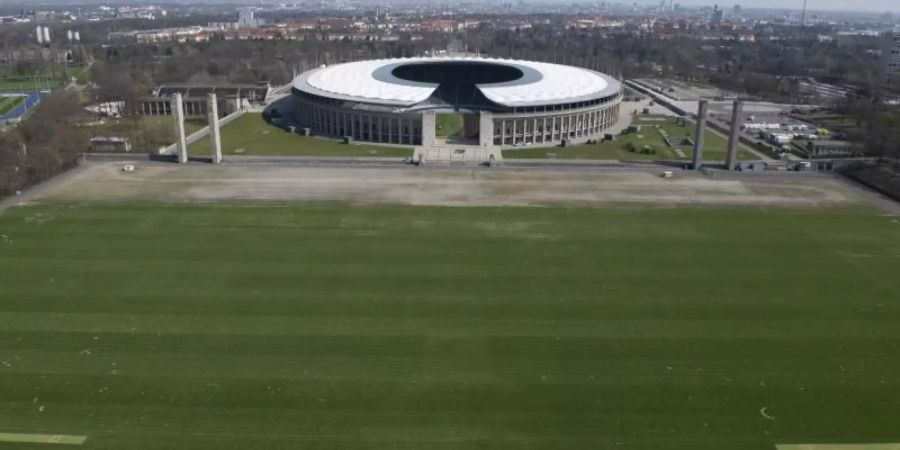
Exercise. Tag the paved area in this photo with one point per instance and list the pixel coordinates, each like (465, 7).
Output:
(454, 186)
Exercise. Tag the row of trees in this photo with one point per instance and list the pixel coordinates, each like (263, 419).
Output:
(47, 142)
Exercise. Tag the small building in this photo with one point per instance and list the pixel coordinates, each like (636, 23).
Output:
(830, 149)
(110, 144)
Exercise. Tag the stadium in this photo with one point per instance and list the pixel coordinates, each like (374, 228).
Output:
(460, 101)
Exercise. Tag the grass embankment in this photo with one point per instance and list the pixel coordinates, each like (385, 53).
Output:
(251, 135)
(715, 146)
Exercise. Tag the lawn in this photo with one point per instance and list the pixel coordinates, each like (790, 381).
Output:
(333, 326)
(448, 125)
(45, 79)
(10, 103)
(831, 120)
(715, 146)
(147, 133)
(251, 135)
(28, 84)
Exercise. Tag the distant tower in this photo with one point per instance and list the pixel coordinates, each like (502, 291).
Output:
(803, 15)
(69, 35)
(39, 30)
(77, 36)
(47, 35)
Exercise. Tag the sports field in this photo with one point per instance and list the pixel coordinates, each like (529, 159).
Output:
(335, 326)
(251, 135)
(8, 103)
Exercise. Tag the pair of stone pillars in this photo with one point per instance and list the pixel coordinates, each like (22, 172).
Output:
(733, 136)
(215, 139)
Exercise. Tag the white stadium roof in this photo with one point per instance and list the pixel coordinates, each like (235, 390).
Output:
(372, 81)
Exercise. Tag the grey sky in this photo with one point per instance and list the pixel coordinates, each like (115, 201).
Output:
(856, 5)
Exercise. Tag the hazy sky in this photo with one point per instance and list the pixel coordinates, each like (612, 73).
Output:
(855, 5)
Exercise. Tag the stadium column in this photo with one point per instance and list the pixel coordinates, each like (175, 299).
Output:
(698, 136)
(486, 129)
(181, 144)
(428, 125)
(215, 139)
(514, 132)
(733, 137)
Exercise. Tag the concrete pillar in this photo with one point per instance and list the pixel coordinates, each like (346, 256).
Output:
(502, 132)
(381, 129)
(428, 125)
(733, 137)
(215, 139)
(485, 129)
(701, 131)
(178, 112)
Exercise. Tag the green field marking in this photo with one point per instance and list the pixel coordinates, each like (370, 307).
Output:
(8, 103)
(251, 135)
(334, 326)
(32, 438)
(838, 446)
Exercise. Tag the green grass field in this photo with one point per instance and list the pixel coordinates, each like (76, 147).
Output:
(332, 326)
(251, 135)
(7, 104)
(448, 125)
(715, 147)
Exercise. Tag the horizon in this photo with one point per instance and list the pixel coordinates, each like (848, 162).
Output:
(867, 6)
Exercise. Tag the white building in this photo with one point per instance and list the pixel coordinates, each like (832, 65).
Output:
(246, 19)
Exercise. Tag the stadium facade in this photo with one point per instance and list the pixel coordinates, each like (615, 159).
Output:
(503, 103)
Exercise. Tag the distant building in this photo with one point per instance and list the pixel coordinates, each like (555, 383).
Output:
(38, 16)
(892, 56)
(110, 144)
(246, 19)
(717, 15)
(230, 97)
(830, 149)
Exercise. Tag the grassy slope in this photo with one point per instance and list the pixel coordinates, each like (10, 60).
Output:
(256, 137)
(7, 104)
(715, 146)
(331, 326)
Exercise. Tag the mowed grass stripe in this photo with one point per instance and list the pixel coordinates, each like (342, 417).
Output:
(32, 438)
(341, 326)
(211, 324)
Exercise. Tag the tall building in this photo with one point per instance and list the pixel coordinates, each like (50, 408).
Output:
(246, 19)
(892, 56)
(717, 16)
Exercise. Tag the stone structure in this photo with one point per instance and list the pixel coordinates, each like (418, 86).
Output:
(180, 138)
(215, 139)
(702, 109)
(734, 137)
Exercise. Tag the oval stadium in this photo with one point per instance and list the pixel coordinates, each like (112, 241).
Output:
(473, 105)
